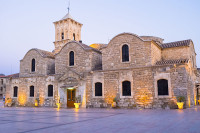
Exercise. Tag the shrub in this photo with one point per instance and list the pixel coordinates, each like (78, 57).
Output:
(115, 99)
(180, 98)
(172, 105)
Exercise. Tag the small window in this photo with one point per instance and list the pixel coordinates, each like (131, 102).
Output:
(74, 37)
(50, 90)
(98, 89)
(162, 87)
(62, 35)
(71, 58)
(33, 65)
(15, 91)
(1, 81)
(125, 53)
(1, 89)
(126, 88)
(31, 91)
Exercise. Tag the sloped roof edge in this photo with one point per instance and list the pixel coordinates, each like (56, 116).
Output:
(171, 62)
(43, 53)
(84, 46)
(176, 44)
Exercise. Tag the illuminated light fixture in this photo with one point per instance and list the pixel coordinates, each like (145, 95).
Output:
(70, 88)
(58, 105)
(189, 101)
(180, 105)
(36, 103)
(22, 99)
(77, 105)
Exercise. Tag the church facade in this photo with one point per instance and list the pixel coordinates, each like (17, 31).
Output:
(138, 71)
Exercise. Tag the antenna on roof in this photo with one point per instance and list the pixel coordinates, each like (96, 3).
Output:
(68, 7)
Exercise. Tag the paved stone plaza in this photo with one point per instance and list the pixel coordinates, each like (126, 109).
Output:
(50, 120)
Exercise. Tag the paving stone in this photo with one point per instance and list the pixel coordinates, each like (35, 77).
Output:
(51, 120)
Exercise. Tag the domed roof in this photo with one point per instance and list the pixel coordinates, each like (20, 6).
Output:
(98, 46)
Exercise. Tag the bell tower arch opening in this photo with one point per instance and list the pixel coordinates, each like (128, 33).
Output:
(67, 29)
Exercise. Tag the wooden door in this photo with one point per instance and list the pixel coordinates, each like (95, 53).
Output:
(71, 93)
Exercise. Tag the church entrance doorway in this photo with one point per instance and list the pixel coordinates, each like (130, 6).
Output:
(71, 94)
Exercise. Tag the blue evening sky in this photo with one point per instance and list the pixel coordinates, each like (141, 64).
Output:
(26, 24)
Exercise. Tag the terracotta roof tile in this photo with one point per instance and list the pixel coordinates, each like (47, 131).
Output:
(2, 75)
(16, 75)
(168, 62)
(176, 44)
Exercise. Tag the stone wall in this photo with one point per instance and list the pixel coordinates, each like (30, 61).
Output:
(50, 66)
(42, 65)
(192, 55)
(143, 85)
(181, 85)
(3, 84)
(110, 88)
(139, 52)
(155, 53)
(141, 88)
(96, 61)
(68, 27)
(40, 91)
(83, 60)
(176, 53)
(192, 82)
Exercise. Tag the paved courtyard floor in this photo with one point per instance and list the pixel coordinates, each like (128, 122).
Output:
(50, 120)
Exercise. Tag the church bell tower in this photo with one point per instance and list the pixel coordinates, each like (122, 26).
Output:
(66, 30)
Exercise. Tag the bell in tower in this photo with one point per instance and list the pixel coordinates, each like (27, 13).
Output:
(66, 30)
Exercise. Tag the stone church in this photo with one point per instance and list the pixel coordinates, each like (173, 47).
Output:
(139, 71)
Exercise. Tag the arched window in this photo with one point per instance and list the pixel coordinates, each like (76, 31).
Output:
(62, 35)
(126, 88)
(50, 90)
(125, 53)
(31, 91)
(98, 89)
(74, 37)
(15, 91)
(162, 87)
(71, 58)
(33, 65)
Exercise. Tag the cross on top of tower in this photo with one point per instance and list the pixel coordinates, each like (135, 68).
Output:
(68, 7)
(67, 15)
